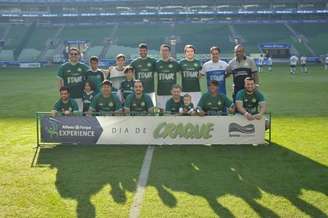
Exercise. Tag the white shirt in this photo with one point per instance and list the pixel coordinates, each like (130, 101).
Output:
(116, 76)
(303, 60)
(215, 71)
(326, 60)
(269, 61)
(261, 60)
(293, 60)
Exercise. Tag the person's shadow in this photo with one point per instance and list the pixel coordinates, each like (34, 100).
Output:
(241, 171)
(82, 171)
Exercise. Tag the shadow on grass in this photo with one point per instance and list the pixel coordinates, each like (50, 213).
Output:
(82, 171)
(209, 172)
(241, 171)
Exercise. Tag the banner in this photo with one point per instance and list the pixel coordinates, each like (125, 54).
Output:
(29, 65)
(151, 130)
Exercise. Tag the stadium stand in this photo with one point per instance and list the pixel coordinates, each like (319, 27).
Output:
(316, 35)
(254, 34)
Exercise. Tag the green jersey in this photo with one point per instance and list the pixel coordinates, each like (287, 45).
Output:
(189, 75)
(127, 87)
(144, 71)
(142, 104)
(250, 101)
(70, 105)
(214, 104)
(87, 99)
(96, 78)
(105, 104)
(73, 76)
(172, 106)
(167, 76)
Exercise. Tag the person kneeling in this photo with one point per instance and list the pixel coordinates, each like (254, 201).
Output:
(65, 105)
(138, 103)
(214, 103)
(105, 103)
(250, 102)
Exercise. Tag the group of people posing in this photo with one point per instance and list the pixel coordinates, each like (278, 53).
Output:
(147, 85)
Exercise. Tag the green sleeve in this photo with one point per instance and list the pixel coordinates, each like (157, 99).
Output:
(133, 64)
(60, 72)
(149, 102)
(127, 103)
(118, 105)
(57, 106)
(260, 97)
(201, 102)
(240, 95)
(75, 107)
(168, 106)
(227, 101)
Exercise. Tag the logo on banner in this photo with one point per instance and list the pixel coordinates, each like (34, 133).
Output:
(181, 130)
(236, 130)
(64, 129)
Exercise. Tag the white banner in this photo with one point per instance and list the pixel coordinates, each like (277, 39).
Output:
(159, 130)
(29, 65)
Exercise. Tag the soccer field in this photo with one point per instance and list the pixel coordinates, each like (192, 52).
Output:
(286, 179)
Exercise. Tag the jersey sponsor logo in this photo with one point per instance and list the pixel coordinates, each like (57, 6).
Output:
(190, 74)
(75, 79)
(166, 76)
(216, 77)
(145, 75)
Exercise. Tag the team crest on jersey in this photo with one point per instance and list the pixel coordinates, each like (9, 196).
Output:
(148, 64)
(253, 100)
(195, 64)
(70, 109)
(170, 65)
(139, 65)
(142, 104)
(79, 70)
(110, 104)
(209, 103)
(134, 104)
(68, 71)
(219, 103)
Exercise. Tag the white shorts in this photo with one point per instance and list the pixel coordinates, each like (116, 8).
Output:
(79, 103)
(195, 97)
(161, 100)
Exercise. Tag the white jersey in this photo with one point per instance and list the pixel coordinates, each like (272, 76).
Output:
(293, 60)
(269, 61)
(116, 76)
(303, 60)
(261, 60)
(215, 71)
(326, 60)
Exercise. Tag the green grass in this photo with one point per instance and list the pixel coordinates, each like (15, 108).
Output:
(287, 179)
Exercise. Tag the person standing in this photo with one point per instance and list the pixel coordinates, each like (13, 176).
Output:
(72, 75)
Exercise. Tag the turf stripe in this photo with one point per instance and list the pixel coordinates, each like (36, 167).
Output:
(142, 182)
